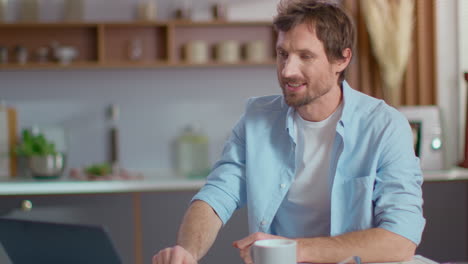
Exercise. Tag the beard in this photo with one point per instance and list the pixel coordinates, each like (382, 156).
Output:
(294, 99)
(313, 91)
(297, 100)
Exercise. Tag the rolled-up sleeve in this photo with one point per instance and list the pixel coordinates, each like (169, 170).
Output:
(398, 194)
(225, 189)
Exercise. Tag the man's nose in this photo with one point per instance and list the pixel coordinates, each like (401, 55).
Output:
(291, 68)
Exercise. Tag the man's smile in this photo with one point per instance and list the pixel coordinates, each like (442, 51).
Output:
(295, 86)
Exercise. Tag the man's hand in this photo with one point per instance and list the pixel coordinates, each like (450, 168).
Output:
(174, 255)
(244, 244)
(197, 233)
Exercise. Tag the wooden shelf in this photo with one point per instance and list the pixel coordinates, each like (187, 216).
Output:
(109, 44)
(48, 25)
(220, 23)
(215, 64)
(142, 65)
(49, 65)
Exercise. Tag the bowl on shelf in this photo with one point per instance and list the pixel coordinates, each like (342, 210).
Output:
(46, 167)
(65, 54)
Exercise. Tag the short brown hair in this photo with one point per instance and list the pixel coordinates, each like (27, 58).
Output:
(333, 26)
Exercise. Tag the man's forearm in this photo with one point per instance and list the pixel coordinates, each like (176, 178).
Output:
(372, 245)
(199, 229)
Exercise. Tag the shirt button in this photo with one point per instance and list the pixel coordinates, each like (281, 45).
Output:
(263, 223)
(282, 186)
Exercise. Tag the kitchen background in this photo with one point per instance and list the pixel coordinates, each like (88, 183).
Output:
(156, 104)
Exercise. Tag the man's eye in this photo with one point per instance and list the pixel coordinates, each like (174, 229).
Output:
(306, 57)
(282, 54)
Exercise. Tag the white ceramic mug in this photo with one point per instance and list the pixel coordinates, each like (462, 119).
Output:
(274, 251)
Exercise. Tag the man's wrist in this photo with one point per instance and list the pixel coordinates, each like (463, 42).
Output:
(306, 249)
(299, 251)
(191, 251)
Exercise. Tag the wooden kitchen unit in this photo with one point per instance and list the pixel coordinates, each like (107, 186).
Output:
(129, 44)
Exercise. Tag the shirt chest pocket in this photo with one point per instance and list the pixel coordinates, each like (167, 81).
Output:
(355, 199)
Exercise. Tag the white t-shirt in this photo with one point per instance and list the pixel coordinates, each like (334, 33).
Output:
(305, 211)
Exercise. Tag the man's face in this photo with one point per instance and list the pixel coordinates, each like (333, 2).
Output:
(304, 72)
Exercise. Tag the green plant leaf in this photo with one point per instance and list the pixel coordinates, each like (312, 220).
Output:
(99, 169)
(34, 145)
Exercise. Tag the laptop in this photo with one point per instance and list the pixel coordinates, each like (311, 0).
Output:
(27, 242)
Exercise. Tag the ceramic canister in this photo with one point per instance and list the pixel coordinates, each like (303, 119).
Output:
(3, 10)
(255, 51)
(74, 10)
(29, 10)
(197, 52)
(146, 11)
(228, 51)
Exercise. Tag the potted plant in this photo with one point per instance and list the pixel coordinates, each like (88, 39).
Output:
(42, 159)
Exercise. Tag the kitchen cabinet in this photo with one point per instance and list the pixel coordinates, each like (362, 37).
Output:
(128, 44)
(114, 211)
(121, 206)
(139, 224)
(162, 214)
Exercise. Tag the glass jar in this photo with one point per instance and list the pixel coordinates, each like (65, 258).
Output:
(192, 159)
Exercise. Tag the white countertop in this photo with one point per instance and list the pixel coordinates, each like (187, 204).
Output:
(74, 187)
(152, 182)
(454, 174)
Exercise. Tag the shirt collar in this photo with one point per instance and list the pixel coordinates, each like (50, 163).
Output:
(350, 101)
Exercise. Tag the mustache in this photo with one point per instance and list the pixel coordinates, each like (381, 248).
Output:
(293, 80)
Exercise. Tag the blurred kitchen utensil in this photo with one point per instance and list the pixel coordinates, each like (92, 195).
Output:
(21, 54)
(135, 49)
(219, 11)
(42, 54)
(66, 54)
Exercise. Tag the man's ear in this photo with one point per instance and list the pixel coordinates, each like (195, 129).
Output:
(343, 63)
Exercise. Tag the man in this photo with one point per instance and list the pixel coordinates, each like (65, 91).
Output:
(323, 164)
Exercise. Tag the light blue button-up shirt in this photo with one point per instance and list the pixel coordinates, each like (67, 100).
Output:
(375, 177)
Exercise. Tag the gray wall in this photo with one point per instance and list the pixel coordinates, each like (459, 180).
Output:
(155, 105)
